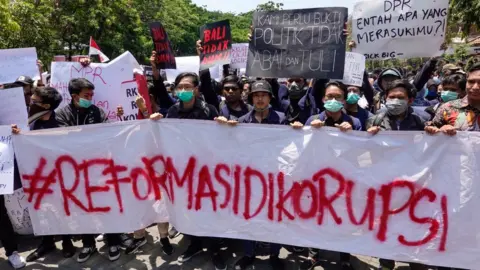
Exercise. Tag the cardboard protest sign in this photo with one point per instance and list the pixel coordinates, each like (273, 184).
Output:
(6, 160)
(217, 44)
(305, 43)
(399, 28)
(354, 69)
(114, 83)
(191, 64)
(18, 62)
(13, 109)
(111, 178)
(239, 55)
(17, 209)
(161, 43)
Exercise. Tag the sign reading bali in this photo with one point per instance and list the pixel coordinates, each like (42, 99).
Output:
(315, 188)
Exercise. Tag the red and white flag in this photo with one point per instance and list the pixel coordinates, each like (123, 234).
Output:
(95, 50)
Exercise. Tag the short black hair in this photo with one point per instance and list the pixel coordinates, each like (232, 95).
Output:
(338, 84)
(195, 79)
(232, 79)
(475, 67)
(411, 91)
(456, 79)
(75, 86)
(49, 95)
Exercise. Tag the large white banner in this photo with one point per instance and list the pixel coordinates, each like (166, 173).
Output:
(399, 28)
(18, 62)
(399, 195)
(114, 83)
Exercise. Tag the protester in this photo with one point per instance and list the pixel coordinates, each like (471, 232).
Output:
(262, 114)
(191, 106)
(460, 114)
(260, 96)
(43, 103)
(399, 116)
(333, 116)
(79, 112)
(451, 88)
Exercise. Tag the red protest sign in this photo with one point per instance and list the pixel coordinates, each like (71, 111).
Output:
(217, 44)
(161, 43)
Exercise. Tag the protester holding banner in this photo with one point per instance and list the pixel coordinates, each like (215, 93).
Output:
(262, 114)
(44, 102)
(399, 116)
(81, 111)
(190, 106)
(461, 114)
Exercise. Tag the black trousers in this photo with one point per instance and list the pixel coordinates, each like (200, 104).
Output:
(211, 243)
(7, 235)
(313, 253)
(49, 240)
(113, 239)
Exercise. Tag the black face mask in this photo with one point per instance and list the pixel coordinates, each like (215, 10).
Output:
(34, 109)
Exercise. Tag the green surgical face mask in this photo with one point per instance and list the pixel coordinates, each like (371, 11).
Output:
(353, 98)
(333, 105)
(185, 95)
(448, 95)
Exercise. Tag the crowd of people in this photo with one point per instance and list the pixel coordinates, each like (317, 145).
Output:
(437, 98)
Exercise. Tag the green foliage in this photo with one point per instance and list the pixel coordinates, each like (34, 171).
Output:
(58, 27)
(460, 53)
(466, 14)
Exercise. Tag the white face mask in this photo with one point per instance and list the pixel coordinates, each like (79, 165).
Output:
(396, 106)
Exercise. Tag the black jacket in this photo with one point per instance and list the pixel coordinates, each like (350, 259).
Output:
(200, 111)
(71, 116)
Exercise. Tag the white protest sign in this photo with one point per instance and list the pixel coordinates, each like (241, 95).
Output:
(239, 55)
(184, 64)
(316, 188)
(17, 209)
(354, 69)
(18, 62)
(191, 64)
(6, 160)
(399, 28)
(113, 83)
(13, 109)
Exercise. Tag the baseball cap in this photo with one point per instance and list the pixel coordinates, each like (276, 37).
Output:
(261, 86)
(24, 80)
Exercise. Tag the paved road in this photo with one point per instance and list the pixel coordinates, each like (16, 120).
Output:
(151, 257)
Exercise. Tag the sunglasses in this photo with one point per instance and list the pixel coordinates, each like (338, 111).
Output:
(228, 88)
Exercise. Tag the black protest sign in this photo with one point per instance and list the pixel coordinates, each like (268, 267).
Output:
(217, 44)
(165, 56)
(305, 43)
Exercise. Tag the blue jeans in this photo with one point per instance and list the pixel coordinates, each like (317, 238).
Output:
(249, 248)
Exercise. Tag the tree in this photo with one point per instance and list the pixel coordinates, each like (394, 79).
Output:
(270, 6)
(466, 14)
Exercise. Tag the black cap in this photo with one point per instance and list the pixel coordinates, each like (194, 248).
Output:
(261, 86)
(24, 80)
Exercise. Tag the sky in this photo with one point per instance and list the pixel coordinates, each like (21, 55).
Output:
(239, 6)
